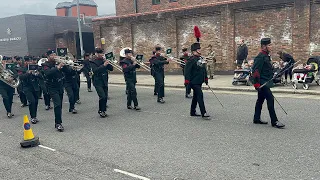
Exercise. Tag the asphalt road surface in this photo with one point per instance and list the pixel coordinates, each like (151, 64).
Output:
(162, 142)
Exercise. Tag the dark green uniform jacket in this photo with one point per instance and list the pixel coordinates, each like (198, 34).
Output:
(100, 72)
(262, 70)
(158, 63)
(29, 81)
(129, 70)
(195, 71)
(53, 77)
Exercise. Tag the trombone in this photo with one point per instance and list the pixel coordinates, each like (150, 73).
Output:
(142, 64)
(138, 59)
(109, 57)
(114, 63)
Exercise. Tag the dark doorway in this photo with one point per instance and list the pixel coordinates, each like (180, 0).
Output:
(88, 43)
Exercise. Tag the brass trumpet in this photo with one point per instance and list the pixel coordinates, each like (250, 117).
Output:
(75, 66)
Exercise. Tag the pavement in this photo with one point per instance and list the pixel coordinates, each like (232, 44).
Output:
(162, 142)
(220, 83)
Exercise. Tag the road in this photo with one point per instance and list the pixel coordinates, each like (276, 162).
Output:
(163, 143)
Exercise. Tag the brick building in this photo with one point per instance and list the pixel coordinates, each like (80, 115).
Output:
(87, 8)
(293, 26)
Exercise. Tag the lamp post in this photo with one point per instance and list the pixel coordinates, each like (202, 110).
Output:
(80, 31)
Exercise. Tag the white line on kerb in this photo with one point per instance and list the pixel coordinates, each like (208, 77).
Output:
(45, 147)
(130, 174)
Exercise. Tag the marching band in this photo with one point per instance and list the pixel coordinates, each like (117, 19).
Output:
(53, 74)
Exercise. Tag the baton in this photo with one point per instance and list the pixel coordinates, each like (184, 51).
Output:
(280, 105)
(277, 75)
(215, 95)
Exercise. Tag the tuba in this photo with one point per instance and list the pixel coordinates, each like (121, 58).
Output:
(41, 61)
(7, 76)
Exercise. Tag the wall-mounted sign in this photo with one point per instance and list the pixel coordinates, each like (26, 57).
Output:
(9, 32)
(10, 39)
(103, 41)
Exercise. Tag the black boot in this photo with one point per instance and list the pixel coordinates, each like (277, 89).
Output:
(137, 108)
(278, 125)
(161, 101)
(59, 127)
(259, 122)
(206, 116)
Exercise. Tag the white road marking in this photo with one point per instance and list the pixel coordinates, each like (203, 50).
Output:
(0, 132)
(131, 175)
(45, 147)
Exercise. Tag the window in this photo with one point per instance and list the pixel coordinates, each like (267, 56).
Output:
(173, 0)
(155, 2)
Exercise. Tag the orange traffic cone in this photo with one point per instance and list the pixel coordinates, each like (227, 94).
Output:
(28, 138)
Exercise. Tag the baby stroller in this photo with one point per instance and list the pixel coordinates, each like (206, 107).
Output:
(278, 72)
(242, 75)
(307, 74)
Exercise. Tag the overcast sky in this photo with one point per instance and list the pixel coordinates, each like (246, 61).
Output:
(45, 7)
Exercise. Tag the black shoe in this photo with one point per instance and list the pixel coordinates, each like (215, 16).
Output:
(129, 107)
(137, 108)
(102, 114)
(195, 114)
(89, 90)
(74, 111)
(59, 127)
(211, 77)
(40, 97)
(188, 96)
(161, 101)
(10, 115)
(24, 105)
(34, 120)
(155, 94)
(259, 122)
(126, 92)
(206, 116)
(278, 125)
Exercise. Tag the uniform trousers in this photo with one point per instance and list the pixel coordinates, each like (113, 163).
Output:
(22, 96)
(7, 97)
(57, 98)
(88, 79)
(33, 98)
(132, 93)
(188, 87)
(102, 92)
(265, 93)
(73, 95)
(197, 99)
(159, 81)
(46, 95)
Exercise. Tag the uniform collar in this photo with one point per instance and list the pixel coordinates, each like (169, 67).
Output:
(264, 52)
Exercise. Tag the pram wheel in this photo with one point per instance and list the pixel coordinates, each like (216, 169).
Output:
(234, 83)
(294, 85)
(306, 86)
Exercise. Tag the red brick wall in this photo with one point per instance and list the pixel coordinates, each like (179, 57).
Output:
(253, 25)
(61, 12)
(87, 10)
(124, 7)
(293, 26)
